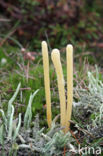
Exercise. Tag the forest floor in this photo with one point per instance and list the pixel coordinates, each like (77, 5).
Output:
(35, 138)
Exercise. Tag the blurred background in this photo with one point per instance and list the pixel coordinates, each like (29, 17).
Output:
(24, 24)
(79, 22)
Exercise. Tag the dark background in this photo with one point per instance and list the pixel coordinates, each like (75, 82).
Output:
(25, 23)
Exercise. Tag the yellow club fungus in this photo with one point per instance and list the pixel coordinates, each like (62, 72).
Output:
(60, 79)
(69, 55)
(47, 81)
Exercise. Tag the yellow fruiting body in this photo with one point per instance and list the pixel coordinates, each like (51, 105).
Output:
(47, 81)
(69, 56)
(55, 55)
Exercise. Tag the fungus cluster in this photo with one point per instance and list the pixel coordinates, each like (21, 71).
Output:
(65, 108)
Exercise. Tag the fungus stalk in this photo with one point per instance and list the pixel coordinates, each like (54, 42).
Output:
(69, 55)
(47, 81)
(58, 67)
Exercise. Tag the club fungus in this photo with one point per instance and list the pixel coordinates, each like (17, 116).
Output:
(58, 67)
(69, 56)
(47, 81)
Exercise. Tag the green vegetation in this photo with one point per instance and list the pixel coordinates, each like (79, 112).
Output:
(23, 125)
(30, 129)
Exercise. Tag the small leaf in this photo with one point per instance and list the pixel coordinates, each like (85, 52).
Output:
(28, 114)
(1, 134)
(11, 123)
(18, 127)
(12, 100)
(4, 118)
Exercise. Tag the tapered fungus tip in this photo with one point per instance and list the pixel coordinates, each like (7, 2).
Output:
(69, 47)
(55, 51)
(44, 43)
(55, 54)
